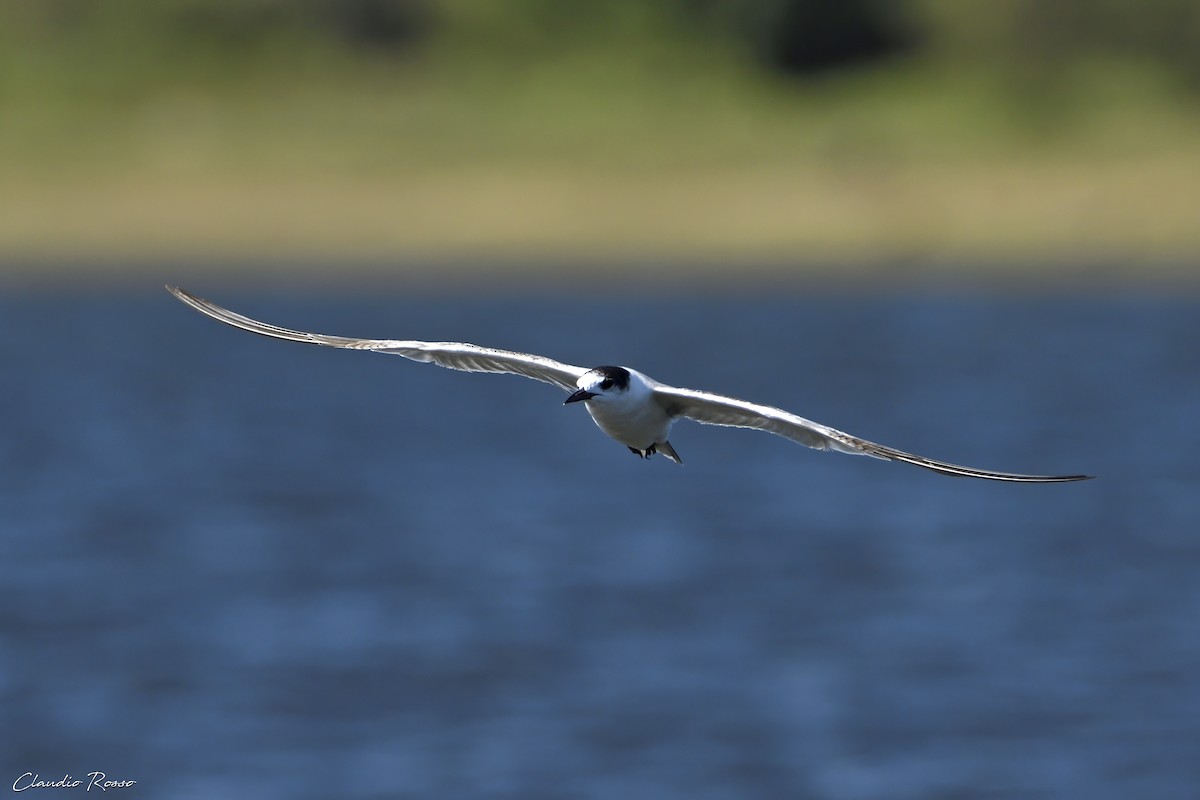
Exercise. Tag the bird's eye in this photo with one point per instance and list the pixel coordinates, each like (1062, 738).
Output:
(606, 384)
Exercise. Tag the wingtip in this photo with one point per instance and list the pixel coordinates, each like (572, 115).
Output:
(1062, 479)
(182, 295)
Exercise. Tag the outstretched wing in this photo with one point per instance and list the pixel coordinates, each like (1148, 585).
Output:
(715, 409)
(452, 355)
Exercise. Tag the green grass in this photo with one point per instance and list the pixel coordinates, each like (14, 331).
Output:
(670, 151)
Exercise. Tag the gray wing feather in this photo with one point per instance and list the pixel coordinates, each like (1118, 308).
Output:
(452, 355)
(714, 409)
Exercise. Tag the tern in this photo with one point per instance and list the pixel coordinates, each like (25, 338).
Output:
(632, 408)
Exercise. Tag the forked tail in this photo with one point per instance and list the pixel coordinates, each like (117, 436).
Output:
(668, 451)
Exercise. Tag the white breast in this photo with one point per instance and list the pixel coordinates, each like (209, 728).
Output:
(633, 417)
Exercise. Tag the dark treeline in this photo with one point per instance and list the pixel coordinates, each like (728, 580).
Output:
(796, 37)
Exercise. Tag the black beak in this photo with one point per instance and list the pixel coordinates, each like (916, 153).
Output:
(580, 394)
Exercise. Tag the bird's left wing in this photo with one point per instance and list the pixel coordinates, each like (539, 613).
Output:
(715, 409)
(452, 355)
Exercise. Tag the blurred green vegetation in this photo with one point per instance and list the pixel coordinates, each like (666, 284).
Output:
(677, 127)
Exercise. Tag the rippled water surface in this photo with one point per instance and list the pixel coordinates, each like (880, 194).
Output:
(237, 567)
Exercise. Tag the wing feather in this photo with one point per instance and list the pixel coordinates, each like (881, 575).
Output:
(452, 355)
(715, 409)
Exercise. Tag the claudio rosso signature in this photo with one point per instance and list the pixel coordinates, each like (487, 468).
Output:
(93, 780)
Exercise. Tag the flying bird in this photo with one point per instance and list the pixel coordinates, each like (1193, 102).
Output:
(632, 408)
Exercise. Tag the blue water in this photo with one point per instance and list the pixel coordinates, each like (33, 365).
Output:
(238, 567)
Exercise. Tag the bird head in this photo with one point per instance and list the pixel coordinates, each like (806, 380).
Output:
(600, 382)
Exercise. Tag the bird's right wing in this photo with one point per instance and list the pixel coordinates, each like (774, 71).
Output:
(452, 355)
(715, 409)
